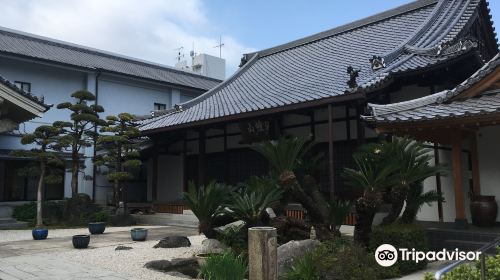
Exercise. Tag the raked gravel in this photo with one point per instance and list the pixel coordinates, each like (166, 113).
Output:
(131, 262)
(19, 235)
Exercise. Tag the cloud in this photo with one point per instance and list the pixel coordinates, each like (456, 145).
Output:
(146, 29)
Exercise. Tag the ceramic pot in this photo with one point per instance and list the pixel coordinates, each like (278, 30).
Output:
(139, 234)
(81, 241)
(40, 233)
(97, 228)
(483, 210)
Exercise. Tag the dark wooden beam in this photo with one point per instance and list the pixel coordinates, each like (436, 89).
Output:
(456, 156)
(438, 183)
(330, 152)
(154, 186)
(201, 158)
(476, 184)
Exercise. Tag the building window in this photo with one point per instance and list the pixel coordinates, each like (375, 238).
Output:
(160, 106)
(24, 86)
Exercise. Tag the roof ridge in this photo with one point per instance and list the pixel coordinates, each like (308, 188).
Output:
(95, 51)
(406, 8)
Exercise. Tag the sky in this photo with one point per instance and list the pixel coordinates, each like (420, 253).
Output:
(154, 29)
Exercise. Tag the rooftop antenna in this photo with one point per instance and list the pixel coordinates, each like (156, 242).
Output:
(179, 53)
(220, 45)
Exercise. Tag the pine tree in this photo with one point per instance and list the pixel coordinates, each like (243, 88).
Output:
(80, 131)
(48, 161)
(118, 147)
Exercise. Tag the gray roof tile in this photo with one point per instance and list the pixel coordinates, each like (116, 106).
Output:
(314, 68)
(442, 104)
(23, 93)
(18, 43)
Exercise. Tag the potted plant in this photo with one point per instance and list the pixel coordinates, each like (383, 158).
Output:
(483, 209)
(99, 224)
(81, 241)
(139, 234)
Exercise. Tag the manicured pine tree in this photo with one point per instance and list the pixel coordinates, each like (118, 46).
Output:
(80, 131)
(118, 148)
(46, 152)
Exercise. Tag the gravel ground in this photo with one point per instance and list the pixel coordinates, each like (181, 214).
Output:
(132, 261)
(19, 235)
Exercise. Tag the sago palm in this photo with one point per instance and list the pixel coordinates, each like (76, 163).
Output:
(206, 202)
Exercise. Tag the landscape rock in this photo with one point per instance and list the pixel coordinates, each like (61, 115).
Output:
(210, 246)
(186, 266)
(178, 274)
(120, 248)
(176, 241)
(289, 252)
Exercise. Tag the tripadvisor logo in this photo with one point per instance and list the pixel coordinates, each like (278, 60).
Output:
(387, 255)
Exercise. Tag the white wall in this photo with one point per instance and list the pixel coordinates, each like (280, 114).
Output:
(489, 161)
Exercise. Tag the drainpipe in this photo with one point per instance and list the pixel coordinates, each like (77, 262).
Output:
(94, 168)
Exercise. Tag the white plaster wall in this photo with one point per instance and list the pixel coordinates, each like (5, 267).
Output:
(170, 179)
(489, 161)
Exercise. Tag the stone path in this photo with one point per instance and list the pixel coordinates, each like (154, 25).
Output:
(37, 260)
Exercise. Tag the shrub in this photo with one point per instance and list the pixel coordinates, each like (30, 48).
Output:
(52, 212)
(250, 206)
(206, 203)
(401, 236)
(341, 259)
(225, 266)
(79, 210)
(236, 238)
(303, 269)
(472, 271)
(101, 216)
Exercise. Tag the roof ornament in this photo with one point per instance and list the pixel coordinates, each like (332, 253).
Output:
(377, 62)
(462, 45)
(178, 108)
(243, 60)
(353, 74)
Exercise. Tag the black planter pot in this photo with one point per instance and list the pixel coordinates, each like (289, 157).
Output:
(81, 241)
(483, 210)
(97, 228)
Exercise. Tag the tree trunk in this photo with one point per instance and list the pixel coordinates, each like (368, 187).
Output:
(74, 175)
(397, 197)
(366, 209)
(39, 196)
(116, 193)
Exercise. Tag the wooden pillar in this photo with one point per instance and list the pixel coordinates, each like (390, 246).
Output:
(154, 186)
(184, 163)
(226, 157)
(476, 184)
(438, 183)
(262, 253)
(313, 126)
(360, 126)
(331, 169)
(201, 157)
(347, 122)
(456, 157)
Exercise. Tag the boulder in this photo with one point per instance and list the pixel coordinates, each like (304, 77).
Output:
(121, 248)
(187, 266)
(289, 252)
(210, 246)
(175, 241)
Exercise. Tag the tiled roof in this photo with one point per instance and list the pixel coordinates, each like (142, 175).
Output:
(13, 42)
(442, 104)
(413, 36)
(21, 92)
